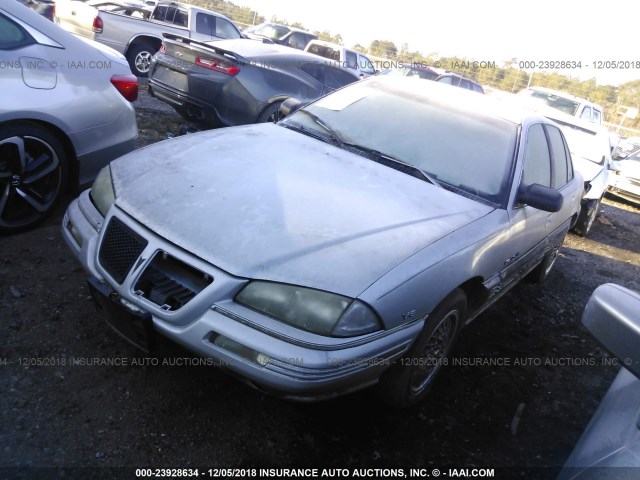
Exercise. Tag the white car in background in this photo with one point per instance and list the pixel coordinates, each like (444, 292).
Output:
(625, 180)
(591, 155)
(65, 113)
(348, 59)
(589, 142)
(564, 102)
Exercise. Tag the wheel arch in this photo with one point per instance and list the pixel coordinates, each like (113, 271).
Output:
(476, 292)
(143, 39)
(270, 102)
(66, 142)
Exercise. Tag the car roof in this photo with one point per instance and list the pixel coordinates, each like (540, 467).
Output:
(188, 6)
(457, 75)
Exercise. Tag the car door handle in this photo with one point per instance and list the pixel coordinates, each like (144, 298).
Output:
(72, 12)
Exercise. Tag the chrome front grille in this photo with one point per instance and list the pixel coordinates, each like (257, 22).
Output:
(119, 250)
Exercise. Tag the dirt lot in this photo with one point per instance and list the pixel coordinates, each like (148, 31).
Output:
(55, 414)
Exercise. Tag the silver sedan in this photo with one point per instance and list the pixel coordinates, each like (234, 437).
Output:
(65, 113)
(345, 246)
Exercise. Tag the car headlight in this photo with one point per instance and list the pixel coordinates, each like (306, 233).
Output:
(102, 193)
(312, 310)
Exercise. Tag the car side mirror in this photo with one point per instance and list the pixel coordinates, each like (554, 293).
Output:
(289, 106)
(540, 197)
(611, 316)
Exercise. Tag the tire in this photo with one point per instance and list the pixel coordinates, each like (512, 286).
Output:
(408, 381)
(588, 214)
(33, 174)
(139, 58)
(271, 113)
(541, 272)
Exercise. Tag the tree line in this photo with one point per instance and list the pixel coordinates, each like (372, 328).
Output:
(506, 76)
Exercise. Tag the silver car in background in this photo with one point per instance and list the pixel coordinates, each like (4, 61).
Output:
(65, 113)
(625, 181)
(345, 246)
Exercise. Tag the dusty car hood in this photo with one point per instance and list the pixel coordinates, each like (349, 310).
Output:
(629, 168)
(261, 201)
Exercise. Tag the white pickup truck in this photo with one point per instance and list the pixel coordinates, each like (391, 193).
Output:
(135, 28)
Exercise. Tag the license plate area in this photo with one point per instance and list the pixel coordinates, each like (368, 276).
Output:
(172, 78)
(135, 327)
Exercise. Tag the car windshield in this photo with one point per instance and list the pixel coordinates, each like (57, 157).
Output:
(461, 148)
(563, 104)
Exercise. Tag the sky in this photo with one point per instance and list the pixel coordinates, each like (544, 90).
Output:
(487, 30)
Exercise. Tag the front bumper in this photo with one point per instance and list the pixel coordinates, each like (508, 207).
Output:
(263, 352)
(625, 188)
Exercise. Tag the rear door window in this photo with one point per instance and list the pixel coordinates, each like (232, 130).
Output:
(560, 166)
(336, 77)
(181, 18)
(160, 13)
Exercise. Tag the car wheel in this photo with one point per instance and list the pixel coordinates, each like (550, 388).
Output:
(541, 272)
(409, 380)
(33, 173)
(588, 214)
(270, 114)
(139, 58)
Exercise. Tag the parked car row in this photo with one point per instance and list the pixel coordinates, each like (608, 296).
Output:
(326, 249)
(237, 82)
(280, 34)
(436, 74)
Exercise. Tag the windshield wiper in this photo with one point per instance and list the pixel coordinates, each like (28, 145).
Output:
(392, 162)
(332, 133)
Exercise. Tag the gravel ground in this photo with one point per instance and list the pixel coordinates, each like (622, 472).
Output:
(61, 407)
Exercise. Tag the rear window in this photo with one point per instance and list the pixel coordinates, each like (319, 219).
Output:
(325, 51)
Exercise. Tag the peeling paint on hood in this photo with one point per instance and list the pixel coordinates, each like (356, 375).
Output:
(261, 201)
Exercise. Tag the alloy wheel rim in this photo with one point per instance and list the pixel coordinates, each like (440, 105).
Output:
(143, 61)
(434, 352)
(30, 180)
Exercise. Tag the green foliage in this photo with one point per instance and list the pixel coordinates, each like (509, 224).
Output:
(243, 16)
(383, 48)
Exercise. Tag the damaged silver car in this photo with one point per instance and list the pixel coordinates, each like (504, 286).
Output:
(345, 246)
